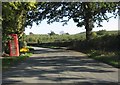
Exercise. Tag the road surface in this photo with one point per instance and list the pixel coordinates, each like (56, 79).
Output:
(60, 66)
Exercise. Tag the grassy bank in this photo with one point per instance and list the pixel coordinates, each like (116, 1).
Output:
(111, 58)
(7, 62)
(104, 49)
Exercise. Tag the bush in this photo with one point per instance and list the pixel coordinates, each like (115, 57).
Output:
(22, 44)
(101, 32)
(94, 34)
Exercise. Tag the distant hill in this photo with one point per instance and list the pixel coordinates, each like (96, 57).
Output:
(110, 32)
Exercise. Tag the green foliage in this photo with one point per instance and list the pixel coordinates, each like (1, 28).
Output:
(101, 32)
(22, 41)
(111, 58)
(5, 40)
(52, 33)
(94, 34)
(82, 13)
(14, 16)
(54, 38)
(14, 19)
(23, 44)
(107, 42)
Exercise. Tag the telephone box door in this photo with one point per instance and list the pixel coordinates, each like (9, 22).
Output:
(13, 45)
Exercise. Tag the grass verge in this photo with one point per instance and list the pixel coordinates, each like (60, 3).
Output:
(111, 58)
(7, 62)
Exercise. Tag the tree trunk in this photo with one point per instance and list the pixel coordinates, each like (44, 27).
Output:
(88, 19)
(89, 26)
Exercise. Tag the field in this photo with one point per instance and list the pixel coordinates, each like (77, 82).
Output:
(54, 38)
(44, 38)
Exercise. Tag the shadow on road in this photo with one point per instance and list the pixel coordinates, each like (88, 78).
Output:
(56, 68)
(78, 83)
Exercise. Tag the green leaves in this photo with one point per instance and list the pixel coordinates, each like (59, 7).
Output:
(80, 24)
(55, 12)
(21, 14)
(14, 16)
(82, 13)
(76, 20)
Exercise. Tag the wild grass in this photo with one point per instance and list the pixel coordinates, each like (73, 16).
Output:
(111, 58)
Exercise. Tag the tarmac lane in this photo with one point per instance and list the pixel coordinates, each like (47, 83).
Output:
(60, 66)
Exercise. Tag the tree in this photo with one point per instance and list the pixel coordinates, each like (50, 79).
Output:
(83, 13)
(14, 16)
(101, 32)
(30, 33)
(51, 33)
(67, 33)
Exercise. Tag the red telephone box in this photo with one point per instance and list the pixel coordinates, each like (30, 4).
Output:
(13, 45)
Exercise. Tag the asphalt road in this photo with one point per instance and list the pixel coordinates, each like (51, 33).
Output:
(61, 66)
